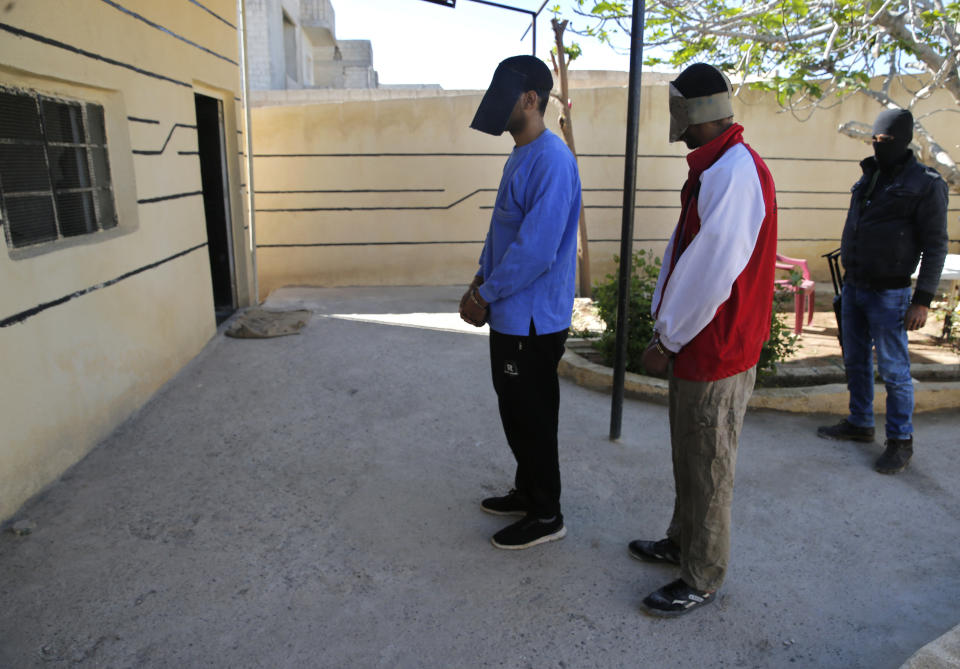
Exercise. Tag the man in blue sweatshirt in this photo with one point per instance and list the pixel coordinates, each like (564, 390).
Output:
(524, 289)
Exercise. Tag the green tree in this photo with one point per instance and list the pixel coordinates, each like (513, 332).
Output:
(810, 53)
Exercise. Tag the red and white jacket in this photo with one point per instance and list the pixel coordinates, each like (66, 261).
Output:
(715, 291)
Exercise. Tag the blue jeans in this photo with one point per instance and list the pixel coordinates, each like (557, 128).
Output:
(874, 318)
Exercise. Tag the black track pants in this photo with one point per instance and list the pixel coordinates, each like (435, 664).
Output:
(528, 393)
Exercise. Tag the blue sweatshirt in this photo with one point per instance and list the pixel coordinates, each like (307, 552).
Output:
(529, 259)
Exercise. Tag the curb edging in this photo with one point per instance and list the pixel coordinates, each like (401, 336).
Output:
(831, 398)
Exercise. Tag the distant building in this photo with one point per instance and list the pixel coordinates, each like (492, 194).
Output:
(292, 44)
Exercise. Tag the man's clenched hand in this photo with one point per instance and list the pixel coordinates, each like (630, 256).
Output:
(473, 308)
(916, 317)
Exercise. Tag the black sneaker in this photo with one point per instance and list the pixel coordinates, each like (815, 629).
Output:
(655, 551)
(530, 531)
(511, 504)
(896, 457)
(675, 599)
(846, 430)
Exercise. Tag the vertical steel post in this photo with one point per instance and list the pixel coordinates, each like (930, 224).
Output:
(254, 299)
(629, 200)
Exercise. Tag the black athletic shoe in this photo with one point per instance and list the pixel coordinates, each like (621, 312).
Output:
(655, 551)
(675, 599)
(511, 504)
(530, 531)
(896, 457)
(846, 430)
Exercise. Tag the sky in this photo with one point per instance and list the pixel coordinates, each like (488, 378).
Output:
(418, 42)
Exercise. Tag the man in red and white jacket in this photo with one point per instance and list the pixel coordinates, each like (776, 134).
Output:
(712, 308)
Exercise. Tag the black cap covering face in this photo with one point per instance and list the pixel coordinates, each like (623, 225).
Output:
(512, 78)
(700, 94)
(897, 123)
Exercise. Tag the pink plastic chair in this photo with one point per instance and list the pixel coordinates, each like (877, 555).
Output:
(802, 294)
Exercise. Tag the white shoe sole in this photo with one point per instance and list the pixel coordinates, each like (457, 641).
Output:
(556, 536)
(503, 513)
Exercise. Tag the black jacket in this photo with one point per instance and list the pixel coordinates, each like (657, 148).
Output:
(888, 229)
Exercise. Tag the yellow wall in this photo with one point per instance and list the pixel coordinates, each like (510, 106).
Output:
(430, 230)
(92, 326)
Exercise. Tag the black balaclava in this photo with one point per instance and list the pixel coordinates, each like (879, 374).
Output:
(513, 77)
(898, 123)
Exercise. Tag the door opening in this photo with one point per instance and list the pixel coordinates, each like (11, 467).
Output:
(211, 145)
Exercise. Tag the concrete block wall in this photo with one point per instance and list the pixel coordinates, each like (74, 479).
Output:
(399, 191)
(358, 52)
(317, 13)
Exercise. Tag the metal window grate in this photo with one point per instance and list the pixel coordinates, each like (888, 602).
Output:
(54, 169)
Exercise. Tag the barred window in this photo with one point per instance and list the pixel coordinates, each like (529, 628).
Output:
(54, 170)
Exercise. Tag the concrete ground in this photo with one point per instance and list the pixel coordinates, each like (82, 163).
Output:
(311, 501)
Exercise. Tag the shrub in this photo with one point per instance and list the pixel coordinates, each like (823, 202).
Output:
(645, 268)
(782, 343)
(643, 281)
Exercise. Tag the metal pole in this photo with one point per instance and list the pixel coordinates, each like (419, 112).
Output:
(248, 140)
(533, 25)
(497, 4)
(629, 200)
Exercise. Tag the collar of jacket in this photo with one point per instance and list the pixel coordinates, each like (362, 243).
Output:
(702, 158)
(869, 165)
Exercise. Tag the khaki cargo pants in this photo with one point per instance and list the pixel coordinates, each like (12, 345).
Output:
(705, 422)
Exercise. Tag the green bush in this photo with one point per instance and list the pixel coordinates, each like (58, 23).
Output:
(643, 281)
(782, 343)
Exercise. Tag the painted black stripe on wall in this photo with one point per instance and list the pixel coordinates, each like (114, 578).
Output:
(24, 315)
(164, 198)
(150, 152)
(89, 54)
(143, 120)
(212, 13)
(598, 241)
(435, 208)
(290, 210)
(677, 190)
(766, 158)
(355, 190)
(423, 243)
(504, 155)
(381, 155)
(674, 206)
(161, 28)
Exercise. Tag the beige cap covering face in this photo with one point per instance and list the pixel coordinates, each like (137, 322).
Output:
(685, 112)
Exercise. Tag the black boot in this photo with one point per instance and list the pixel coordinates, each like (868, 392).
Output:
(847, 431)
(896, 457)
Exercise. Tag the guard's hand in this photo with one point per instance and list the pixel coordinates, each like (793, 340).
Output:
(654, 361)
(473, 308)
(916, 317)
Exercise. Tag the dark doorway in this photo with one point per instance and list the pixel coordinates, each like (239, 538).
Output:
(216, 203)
